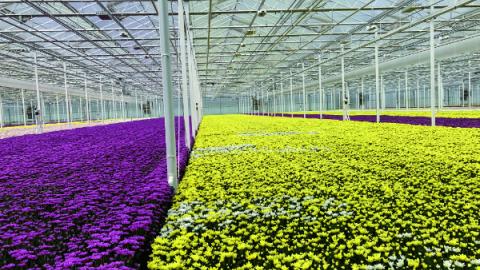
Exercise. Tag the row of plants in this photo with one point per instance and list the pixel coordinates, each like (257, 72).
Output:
(468, 122)
(290, 193)
(444, 113)
(87, 198)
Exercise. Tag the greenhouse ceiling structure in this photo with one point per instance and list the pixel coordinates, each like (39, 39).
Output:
(239, 46)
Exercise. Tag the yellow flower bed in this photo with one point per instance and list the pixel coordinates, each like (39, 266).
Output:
(289, 193)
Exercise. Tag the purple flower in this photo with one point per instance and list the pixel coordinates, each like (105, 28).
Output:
(86, 198)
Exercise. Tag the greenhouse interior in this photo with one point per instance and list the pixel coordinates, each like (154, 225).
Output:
(240, 134)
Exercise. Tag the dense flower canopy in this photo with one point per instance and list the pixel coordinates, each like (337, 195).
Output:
(84, 198)
(463, 119)
(283, 193)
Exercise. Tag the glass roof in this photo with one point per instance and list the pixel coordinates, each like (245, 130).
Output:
(240, 45)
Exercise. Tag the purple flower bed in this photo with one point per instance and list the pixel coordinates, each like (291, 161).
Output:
(84, 198)
(411, 120)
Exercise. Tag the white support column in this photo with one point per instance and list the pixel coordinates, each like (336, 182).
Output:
(274, 101)
(1, 111)
(282, 95)
(123, 107)
(304, 93)
(39, 117)
(102, 105)
(58, 109)
(183, 58)
(167, 94)
(432, 64)
(363, 96)
(343, 97)
(114, 111)
(87, 103)
(397, 94)
(407, 96)
(320, 90)
(382, 89)
(291, 93)
(42, 100)
(439, 87)
(192, 97)
(24, 113)
(417, 95)
(80, 108)
(377, 80)
(137, 110)
(469, 84)
(67, 104)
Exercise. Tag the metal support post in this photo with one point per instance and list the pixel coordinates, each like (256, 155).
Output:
(183, 57)
(432, 63)
(114, 111)
(343, 99)
(23, 109)
(58, 109)
(167, 94)
(304, 92)
(320, 90)
(67, 105)
(407, 105)
(377, 80)
(469, 84)
(362, 92)
(1, 111)
(39, 112)
(291, 93)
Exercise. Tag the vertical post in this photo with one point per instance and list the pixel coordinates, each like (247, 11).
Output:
(363, 97)
(291, 93)
(407, 105)
(193, 105)
(382, 89)
(1, 111)
(39, 117)
(102, 107)
(114, 112)
(23, 109)
(397, 94)
(80, 108)
(432, 64)
(469, 84)
(439, 87)
(417, 96)
(304, 93)
(274, 101)
(67, 105)
(183, 56)
(123, 107)
(320, 92)
(342, 99)
(87, 105)
(58, 109)
(167, 94)
(377, 80)
(282, 96)
(137, 111)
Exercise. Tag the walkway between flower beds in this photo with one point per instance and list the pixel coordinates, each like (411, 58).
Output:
(411, 120)
(86, 198)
